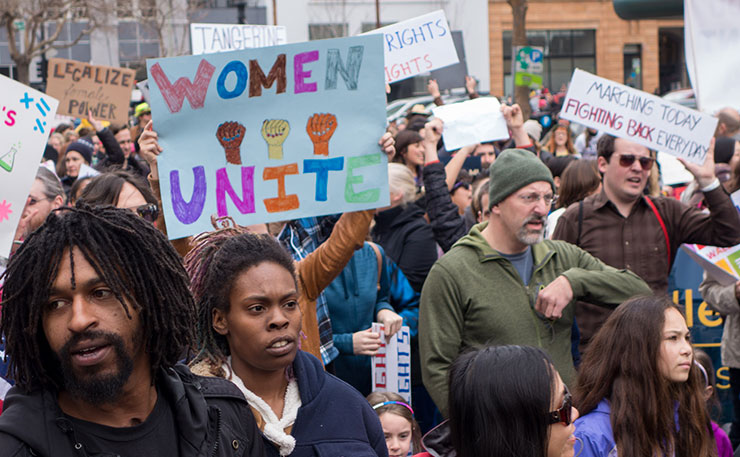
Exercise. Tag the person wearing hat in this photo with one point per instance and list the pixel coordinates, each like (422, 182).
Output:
(78, 153)
(503, 284)
(143, 115)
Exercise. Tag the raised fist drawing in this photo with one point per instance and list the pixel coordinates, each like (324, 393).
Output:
(230, 135)
(275, 131)
(320, 128)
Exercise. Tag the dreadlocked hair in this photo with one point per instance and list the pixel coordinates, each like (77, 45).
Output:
(215, 261)
(131, 257)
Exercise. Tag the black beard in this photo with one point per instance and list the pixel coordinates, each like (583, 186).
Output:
(93, 388)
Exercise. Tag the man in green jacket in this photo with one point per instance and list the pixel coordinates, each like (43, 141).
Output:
(502, 284)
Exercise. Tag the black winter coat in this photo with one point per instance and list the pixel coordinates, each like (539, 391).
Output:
(211, 415)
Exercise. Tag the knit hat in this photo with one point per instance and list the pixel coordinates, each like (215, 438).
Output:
(84, 146)
(404, 138)
(724, 148)
(512, 170)
(533, 129)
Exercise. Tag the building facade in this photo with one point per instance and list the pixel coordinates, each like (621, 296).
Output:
(587, 34)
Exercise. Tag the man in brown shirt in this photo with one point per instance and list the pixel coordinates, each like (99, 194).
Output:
(625, 229)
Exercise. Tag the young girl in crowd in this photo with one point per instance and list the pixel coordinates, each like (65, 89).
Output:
(402, 433)
(724, 447)
(638, 386)
(505, 401)
(249, 331)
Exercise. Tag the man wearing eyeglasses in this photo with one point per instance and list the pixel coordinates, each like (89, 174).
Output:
(625, 228)
(502, 283)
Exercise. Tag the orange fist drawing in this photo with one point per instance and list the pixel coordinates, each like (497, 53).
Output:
(231, 135)
(320, 128)
(275, 132)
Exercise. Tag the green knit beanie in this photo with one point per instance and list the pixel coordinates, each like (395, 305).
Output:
(512, 170)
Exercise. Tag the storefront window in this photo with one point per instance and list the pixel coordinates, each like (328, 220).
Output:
(564, 50)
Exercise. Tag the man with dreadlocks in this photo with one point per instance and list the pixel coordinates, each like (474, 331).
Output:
(96, 313)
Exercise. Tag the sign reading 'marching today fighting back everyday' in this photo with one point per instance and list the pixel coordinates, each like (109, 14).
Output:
(270, 134)
(638, 116)
(210, 38)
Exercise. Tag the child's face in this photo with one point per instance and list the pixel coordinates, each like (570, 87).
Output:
(397, 431)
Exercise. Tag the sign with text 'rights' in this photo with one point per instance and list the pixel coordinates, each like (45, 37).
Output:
(417, 46)
(391, 366)
(638, 116)
(210, 38)
(270, 134)
(106, 91)
(26, 118)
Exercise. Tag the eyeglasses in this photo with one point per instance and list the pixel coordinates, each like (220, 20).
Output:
(33, 201)
(564, 413)
(626, 160)
(531, 199)
(148, 212)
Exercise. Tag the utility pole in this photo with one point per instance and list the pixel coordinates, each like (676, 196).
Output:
(519, 38)
(377, 14)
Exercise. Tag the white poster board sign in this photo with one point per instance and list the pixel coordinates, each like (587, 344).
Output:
(472, 121)
(417, 46)
(712, 38)
(210, 38)
(391, 367)
(722, 264)
(26, 118)
(635, 115)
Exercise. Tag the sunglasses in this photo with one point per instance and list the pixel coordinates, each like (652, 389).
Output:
(148, 212)
(626, 160)
(564, 413)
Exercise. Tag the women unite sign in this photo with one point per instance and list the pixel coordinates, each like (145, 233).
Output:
(270, 134)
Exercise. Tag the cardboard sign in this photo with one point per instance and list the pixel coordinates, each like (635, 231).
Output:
(472, 121)
(391, 366)
(417, 46)
(711, 32)
(210, 38)
(638, 116)
(270, 134)
(722, 264)
(106, 91)
(26, 118)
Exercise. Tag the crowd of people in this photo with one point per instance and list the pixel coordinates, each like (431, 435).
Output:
(525, 269)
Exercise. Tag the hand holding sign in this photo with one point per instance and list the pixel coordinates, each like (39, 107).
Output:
(703, 173)
(275, 132)
(365, 342)
(231, 135)
(391, 322)
(320, 128)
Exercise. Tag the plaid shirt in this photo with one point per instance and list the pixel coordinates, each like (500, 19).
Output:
(301, 237)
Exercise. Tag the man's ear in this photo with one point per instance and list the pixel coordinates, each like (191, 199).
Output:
(219, 322)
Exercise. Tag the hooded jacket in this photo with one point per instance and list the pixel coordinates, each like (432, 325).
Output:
(333, 420)
(408, 239)
(473, 295)
(211, 415)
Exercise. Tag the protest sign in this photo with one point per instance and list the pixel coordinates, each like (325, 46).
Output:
(638, 116)
(672, 172)
(472, 121)
(722, 264)
(417, 46)
(301, 141)
(711, 32)
(391, 366)
(106, 91)
(453, 76)
(26, 117)
(210, 38)
(528, 66)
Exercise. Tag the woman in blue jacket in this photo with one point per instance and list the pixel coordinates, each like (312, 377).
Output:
(249, 331)
(639, 390)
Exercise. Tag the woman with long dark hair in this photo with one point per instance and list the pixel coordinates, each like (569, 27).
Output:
(639, 389)
(505, 401)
